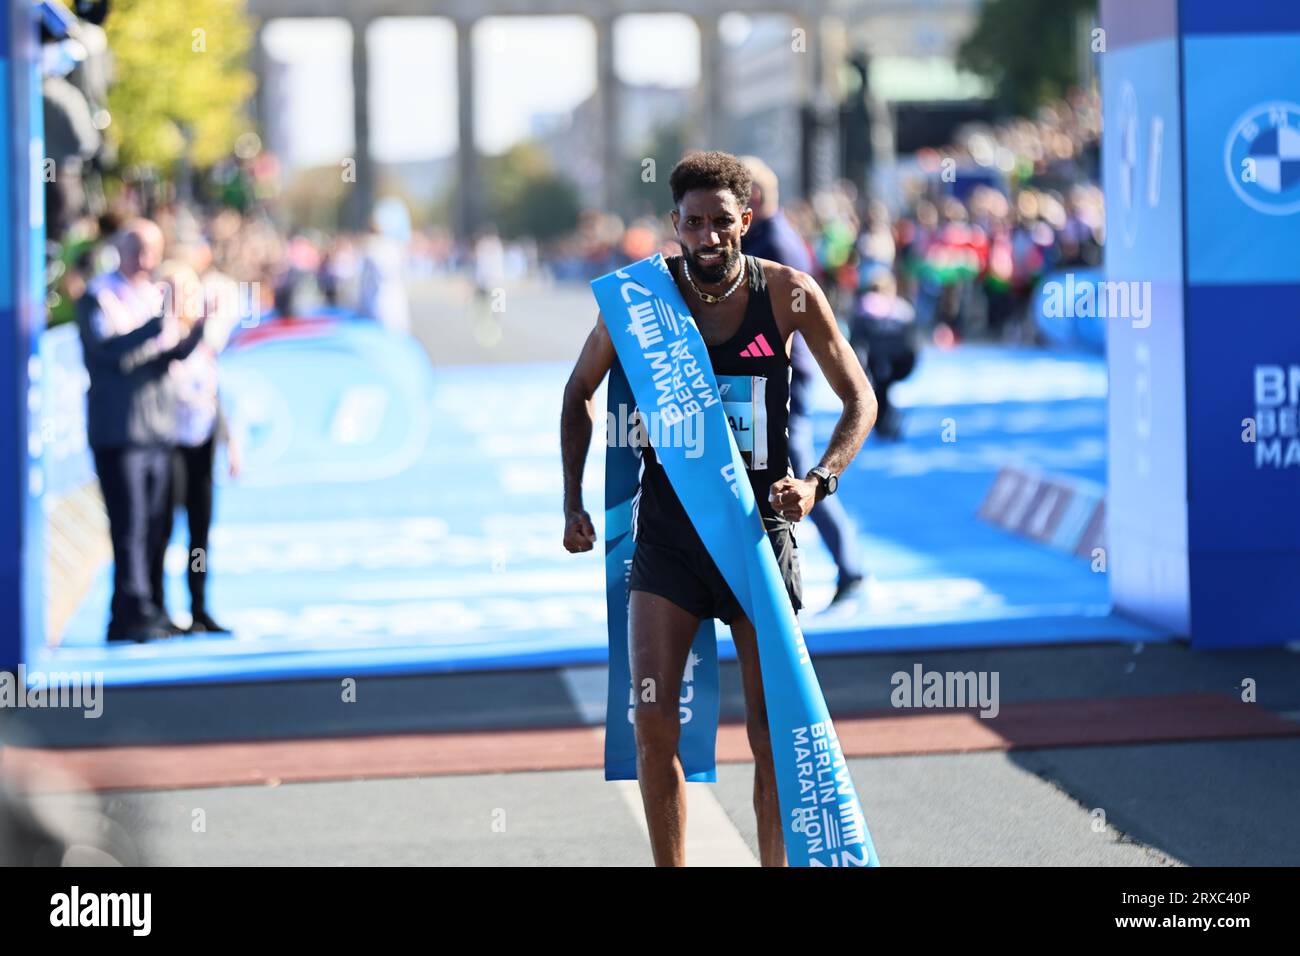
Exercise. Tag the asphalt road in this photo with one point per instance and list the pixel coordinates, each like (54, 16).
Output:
(531, 321)
(1224, 802)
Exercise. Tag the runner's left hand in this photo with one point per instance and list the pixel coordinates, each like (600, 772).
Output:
(793, 498)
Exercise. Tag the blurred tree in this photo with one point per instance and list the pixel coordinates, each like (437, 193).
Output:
(548, 209)
(527, 197)
(442, 208)
(179, 71)
(1029, 49)
(313, 197)
(646, 193)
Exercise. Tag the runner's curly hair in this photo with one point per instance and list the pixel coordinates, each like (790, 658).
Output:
(710, 170)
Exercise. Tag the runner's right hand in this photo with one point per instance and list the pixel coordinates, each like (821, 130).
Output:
(579, 535)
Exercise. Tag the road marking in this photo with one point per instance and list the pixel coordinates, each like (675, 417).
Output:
(711, 838)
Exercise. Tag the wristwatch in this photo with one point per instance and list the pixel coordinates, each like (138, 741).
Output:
(826, 478)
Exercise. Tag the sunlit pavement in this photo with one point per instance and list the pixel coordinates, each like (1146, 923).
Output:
(1194, 801)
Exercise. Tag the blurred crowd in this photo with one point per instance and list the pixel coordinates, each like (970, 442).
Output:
(963, 234)
(227, 245)
(966, 232)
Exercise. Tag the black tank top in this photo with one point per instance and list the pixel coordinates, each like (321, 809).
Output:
(753, 373)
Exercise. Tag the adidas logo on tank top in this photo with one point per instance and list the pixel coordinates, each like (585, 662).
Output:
(757, 348)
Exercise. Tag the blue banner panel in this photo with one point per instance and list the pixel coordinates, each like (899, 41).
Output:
(1245, 443)
(1242, 156)
(10, 279)
(31, 318)
(1057, 313)
(1225, 16)
(22, 290)
(1146, 526)
(60, 418)
(1244, 453)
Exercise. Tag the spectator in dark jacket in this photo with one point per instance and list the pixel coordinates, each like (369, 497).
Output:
(771, 236)
(883, 334)
(130, 420)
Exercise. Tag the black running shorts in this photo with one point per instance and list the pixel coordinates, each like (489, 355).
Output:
(690, 579)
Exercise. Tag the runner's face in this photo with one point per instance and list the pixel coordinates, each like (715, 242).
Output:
(709, 224)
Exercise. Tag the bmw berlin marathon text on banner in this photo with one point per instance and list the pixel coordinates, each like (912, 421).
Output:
(1201, 164)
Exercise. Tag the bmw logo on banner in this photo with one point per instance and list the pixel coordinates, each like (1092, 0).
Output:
(1262, 157)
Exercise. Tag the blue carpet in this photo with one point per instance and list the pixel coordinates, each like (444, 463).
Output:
(392, 519)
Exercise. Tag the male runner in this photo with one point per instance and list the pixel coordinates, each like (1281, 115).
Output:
(746, 309)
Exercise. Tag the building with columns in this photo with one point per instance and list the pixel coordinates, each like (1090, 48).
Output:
(827, 28)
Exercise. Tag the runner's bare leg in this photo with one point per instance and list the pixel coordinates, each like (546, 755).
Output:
(659, 638)
(767, 809)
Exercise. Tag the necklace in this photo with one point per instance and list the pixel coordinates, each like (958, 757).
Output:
(708, 297)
